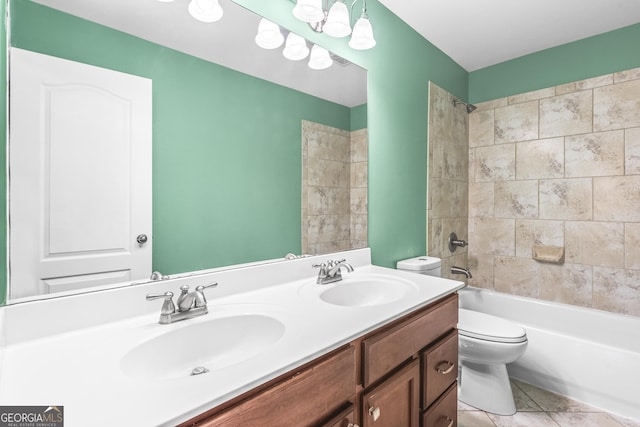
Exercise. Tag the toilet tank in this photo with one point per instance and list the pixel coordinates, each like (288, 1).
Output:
(431, 266)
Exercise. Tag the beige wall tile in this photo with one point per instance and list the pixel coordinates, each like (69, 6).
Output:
(481, 266)
(616, 106)
(328, 173)
(490, 105)
(626, 75)
(327, 200)
(358, 202)
(494, 236)
(566, 114)
(584, 84)
(594, 154)
(531, 96)
(495, 163)
(481, 128)
(358, 176)
(517, 276)
(616, 198)
(595, 243)
(359, 145)
(542, 158)
(566, 199)
(632, 151)
(518, 122)
(632, 245)
(616, 290)
(537, 232)
(567, 283)
(481, 199)
(516, 199)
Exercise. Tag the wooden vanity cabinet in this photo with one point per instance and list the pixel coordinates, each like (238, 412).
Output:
(400, 375)
(309, 396)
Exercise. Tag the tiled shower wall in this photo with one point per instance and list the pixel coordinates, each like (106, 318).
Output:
(448, 168)
(559, 167)
(334, 188)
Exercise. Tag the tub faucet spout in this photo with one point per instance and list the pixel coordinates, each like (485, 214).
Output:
(460, 270)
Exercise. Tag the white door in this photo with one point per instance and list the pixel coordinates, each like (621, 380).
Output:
(79, 175)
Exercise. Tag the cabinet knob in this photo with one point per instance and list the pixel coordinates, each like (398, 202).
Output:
(445, 367)
(374, 411)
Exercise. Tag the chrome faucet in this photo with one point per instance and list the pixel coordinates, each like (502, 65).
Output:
(330, 271)
(190, 304)
(460, 270)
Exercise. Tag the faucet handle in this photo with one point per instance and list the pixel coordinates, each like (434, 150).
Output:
(200, 298)
(167, 307)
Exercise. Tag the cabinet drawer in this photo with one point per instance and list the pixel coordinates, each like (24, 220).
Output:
(308, 398)
(443, 413)
(440, 368)
(387, 349)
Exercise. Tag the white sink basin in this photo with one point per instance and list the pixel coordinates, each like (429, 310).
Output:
(367, 291)
(202, 347)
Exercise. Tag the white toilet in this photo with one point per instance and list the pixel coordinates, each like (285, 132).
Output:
(486, 344)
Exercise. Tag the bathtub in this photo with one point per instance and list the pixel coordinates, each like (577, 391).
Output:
(589, 355)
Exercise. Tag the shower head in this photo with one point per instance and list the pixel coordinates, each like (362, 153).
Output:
(469, 107)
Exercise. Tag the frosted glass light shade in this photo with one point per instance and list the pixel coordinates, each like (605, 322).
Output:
(338, 23)
(309, 10)
(319, 59)
(165, 1)
(205, 10)
(269, 35)
(295, 48)
(362, 36)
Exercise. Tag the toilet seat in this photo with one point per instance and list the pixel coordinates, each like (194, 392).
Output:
(474, 324)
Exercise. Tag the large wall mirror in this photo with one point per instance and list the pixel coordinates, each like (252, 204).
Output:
(254, 156)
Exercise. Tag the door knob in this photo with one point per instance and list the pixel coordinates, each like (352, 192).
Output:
(142, 239)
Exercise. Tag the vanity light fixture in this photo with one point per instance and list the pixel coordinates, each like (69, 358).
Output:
(203, 10)
(336, 21)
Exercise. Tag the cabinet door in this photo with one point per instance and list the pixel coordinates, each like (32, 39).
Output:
(385, 350)
(308, 398)
(344, 419)
(396, 401)
(443, 413)
(440, 364)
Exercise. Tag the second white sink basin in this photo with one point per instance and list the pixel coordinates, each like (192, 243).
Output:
(202, 347)
(362, 291)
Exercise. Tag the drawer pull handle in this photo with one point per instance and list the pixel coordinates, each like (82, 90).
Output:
(447, 368)
(449, 422)
(352, 425)
(374, 411)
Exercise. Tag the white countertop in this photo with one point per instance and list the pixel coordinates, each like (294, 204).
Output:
(47, 361)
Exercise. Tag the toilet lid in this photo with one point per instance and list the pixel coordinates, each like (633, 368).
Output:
(483, 326)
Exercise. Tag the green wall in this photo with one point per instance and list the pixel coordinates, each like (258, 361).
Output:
(594, 56)
(226, 146)
(3, 134)
(400, 67)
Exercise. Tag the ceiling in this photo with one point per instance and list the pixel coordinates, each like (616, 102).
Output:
(477, 34)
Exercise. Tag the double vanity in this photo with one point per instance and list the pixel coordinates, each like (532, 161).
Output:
(377, 347)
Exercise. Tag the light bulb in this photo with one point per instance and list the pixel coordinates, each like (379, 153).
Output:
(269, 35)
(338, 22)
(309, 10)
(362, 36)
(205, 10)
(319, 59)
(295, 48)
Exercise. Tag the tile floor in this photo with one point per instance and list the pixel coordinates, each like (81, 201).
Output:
(541, 408)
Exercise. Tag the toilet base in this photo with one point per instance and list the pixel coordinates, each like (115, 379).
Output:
(486, 387)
